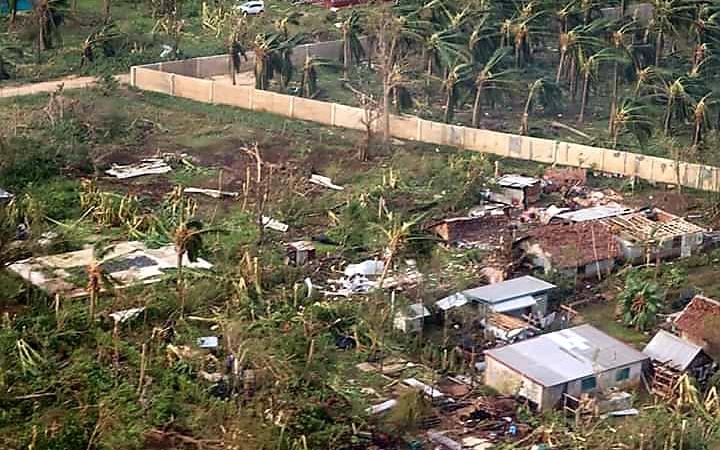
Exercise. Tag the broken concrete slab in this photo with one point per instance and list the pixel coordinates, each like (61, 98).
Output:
(149, 166)
(127, 263)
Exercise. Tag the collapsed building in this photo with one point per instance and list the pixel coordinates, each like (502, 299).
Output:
(654, 233)
(586, 248)
(672, 356)
(486, 232)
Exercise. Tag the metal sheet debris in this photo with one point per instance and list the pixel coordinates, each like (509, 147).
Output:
(127, 263)
(214, 193)
(426, 389)
(149, 166)
(382, 407)
(126, 314)
(5, 195)
(325, 182)
(208, 342)
(273, 224)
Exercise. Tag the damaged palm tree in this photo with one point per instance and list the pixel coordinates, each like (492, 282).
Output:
(187, 241)
(98, 279)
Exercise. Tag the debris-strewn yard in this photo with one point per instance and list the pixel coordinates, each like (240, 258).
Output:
(295, 303)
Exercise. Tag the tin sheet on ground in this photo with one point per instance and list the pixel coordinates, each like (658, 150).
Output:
(127, 263)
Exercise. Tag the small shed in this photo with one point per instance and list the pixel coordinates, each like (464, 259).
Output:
(699, 323)
(517, 190)
(410, 319)
(583, 248)
(680, 355)
(516, 297)
(575, 361)
(656, 233)
(508, 328)
(300, 253)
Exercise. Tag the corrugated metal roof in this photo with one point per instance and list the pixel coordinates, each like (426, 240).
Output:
(566, 355)
(594, 213)
(516, 181)
(672, 350)
(515, 304)
(509, 289)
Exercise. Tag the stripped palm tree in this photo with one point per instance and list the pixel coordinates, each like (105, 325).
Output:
(588, 68)
(674, 94)
(440, 48)
(188, 241)
(352, 48)
(457, 75)
(701, 118)
(97, 278)
(621, 40)
(491, 76)
(542, 93)
(630, 117)
(268, 61)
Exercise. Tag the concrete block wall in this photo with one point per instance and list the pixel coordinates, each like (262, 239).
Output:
(188, 79)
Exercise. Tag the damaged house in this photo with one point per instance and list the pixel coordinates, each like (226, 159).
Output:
(576, 361)
(654, 233)
(673, 353)
(516, 190)
(517, 297)
(586, 249)
(699, 323)
(486, 232)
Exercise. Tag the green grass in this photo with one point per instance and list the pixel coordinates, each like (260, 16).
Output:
(602, 316)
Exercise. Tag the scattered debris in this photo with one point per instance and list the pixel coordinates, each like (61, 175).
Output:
(624, 412)
(611, 209)
(274, 224)
(585, 197)
(325, 182)
(382, 407)
(126, 263)
(126, 314)
(428, 390)
(5, 196)
(485, 232)
(564, 178)
(149, 166)
(214, 193)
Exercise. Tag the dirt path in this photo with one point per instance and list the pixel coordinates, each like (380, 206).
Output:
(71, 82)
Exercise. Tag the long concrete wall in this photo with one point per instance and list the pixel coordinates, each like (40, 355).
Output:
(188, 79)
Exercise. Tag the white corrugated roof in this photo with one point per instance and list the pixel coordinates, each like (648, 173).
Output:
(672, 350)
(515, 304)
(567, 355)
(594, 212)
(509, 289)
(516, 181)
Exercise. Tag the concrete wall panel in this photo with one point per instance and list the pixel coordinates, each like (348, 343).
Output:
(312, 110)
(271, 102)
(211, 66)
(349, 117)
(193, 88)
(152, 80)
(226, 94)
(663, 170)
(542, 150)
(614, 162)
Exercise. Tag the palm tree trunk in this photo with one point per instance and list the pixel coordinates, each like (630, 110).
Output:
(106, 10)
(697, 135)
(346, 54)
(231, 64)
(449, 103)
(561, 64)
(668, 116)
(585, 95)
(180, 281)
(659, 43)
(615, 135)
(386, 110)
(428, 77)
(524, 126)
(613, 99)
(477, 106)
(573, 80)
